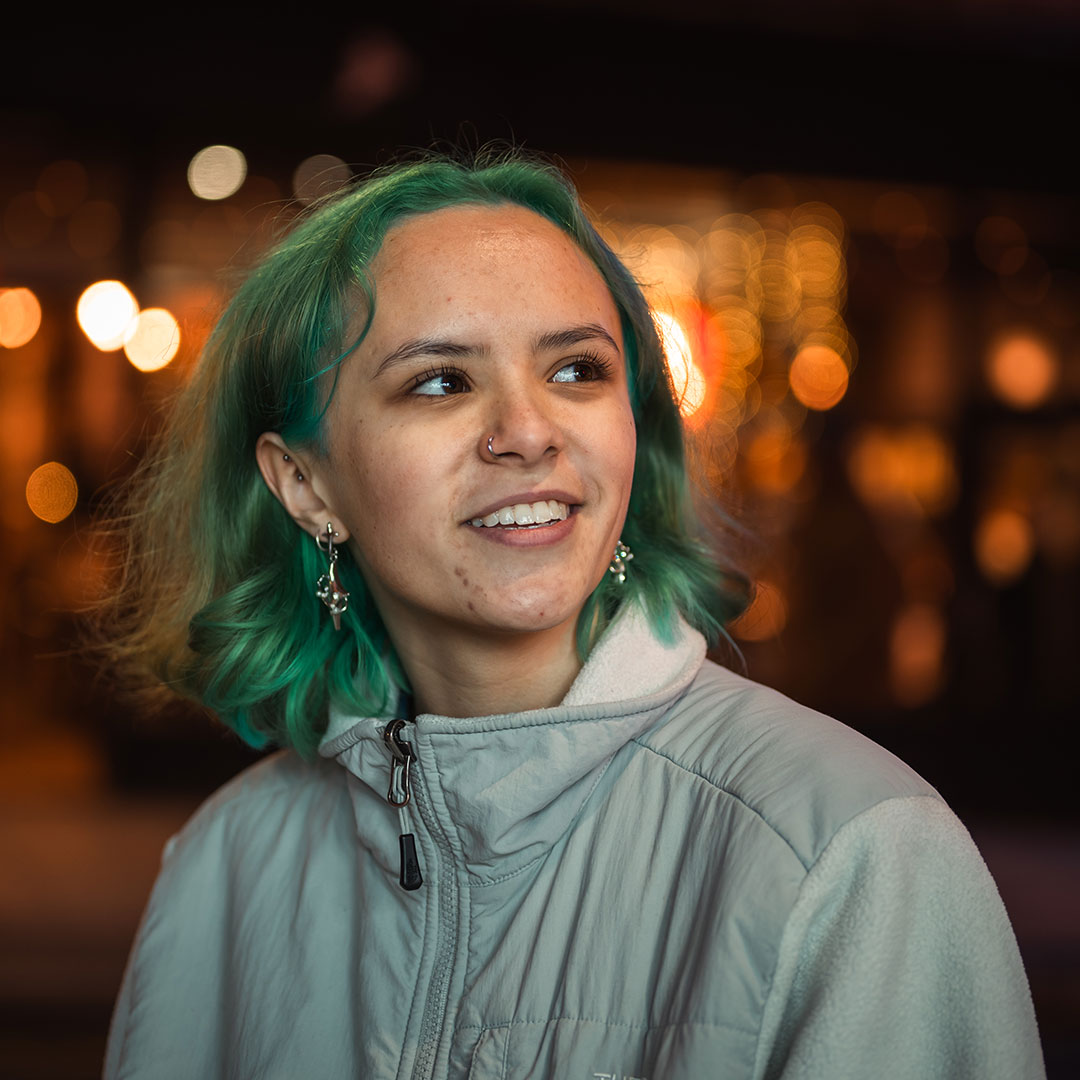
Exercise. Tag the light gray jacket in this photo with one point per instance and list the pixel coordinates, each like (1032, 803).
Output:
(676, 873)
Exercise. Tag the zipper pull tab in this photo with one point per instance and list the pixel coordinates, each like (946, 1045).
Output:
(399, 794)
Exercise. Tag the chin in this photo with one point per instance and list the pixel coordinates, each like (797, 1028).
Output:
(531, 612)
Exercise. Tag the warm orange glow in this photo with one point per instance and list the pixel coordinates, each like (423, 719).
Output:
(51, 492)
(916, 653)
(1003, 545)
(909, 469)
(216, 172)
(1021, 371)
(775, 461)
(818, 377)
(153, 340)
(765, 617)
(815, 256)
(20, 317)
(781, 290)
(686, 377)
(319, 175)
(105, 312)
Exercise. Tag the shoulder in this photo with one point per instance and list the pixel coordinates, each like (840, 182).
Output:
(805, 774)
(276, 805)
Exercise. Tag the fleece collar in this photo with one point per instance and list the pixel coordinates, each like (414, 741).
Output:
(504, 788)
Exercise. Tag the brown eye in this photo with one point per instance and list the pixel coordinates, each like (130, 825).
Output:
(577, 372)
(440, 384)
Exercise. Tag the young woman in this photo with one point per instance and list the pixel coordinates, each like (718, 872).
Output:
(422, 518)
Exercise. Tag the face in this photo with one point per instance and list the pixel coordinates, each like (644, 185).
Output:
(489, 322)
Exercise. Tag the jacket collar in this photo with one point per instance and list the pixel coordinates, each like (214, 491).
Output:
(506, 787)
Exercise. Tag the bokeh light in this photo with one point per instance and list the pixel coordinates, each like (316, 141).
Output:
(1021, 370)
(818, 377)
(153, 339)
(216, 172)
(916, 654)
(1004, 543)
(318, 176)
(20, 317)
(105, 312)
(51, 492)
(910, 469)
(775, 460)
(686, 377)
(765, 617)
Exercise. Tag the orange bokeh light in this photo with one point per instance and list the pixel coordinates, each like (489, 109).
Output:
(916, 654)
(1021, 371)
(20, 317)
(1004, 543)
(910, 469)
(818, 377)
(51, 492)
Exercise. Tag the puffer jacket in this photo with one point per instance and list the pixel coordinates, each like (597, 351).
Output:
(675, 873)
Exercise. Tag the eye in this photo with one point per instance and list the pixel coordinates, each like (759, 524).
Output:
(441, 382)
(588, 368)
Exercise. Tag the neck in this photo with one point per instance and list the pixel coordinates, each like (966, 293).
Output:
(488, 674)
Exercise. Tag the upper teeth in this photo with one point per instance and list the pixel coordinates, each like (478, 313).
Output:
(536, 513)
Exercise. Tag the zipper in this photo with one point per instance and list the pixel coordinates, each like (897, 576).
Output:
(398, 795)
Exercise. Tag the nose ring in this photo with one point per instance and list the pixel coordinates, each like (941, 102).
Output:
(491, 449)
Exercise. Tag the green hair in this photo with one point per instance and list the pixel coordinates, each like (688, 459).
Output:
(216, 600)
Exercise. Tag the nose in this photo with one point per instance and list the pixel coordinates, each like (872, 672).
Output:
(523, 429)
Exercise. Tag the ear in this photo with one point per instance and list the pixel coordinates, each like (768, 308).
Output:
(291, 476)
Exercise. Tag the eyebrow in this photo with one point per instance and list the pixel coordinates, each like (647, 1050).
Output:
(553, 339)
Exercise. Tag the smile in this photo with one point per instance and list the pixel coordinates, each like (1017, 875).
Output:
(524, 515)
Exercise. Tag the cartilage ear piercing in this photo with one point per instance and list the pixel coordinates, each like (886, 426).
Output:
(327, 588)
(299, 474)
(619, 560)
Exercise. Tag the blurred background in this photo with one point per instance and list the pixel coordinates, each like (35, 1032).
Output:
(860, 229)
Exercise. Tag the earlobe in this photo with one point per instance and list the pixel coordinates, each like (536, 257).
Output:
(292, 478)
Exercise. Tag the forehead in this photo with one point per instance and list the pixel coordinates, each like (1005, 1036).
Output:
(482, 246)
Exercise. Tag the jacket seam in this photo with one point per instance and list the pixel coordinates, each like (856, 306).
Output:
(769, 987)
(731, 794)
(605, 1023)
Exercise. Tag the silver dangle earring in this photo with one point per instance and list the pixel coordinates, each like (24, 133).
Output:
(619, 560)
(327, 588)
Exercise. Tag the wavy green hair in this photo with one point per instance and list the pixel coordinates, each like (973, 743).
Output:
(217, 598)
